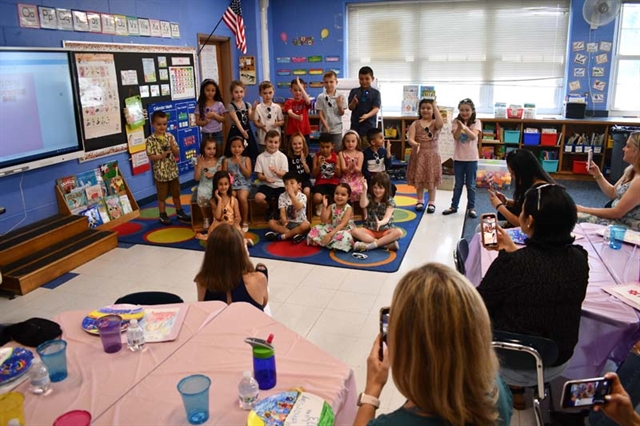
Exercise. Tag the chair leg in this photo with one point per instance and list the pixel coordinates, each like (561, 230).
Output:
(538, 412)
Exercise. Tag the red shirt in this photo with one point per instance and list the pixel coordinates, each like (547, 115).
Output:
(301, 108)
(327, 173)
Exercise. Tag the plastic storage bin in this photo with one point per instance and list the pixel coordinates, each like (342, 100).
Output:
(511, 136)
(493, 173)
(515, 111)
(550, 166)
(579, 167)
(531, 139)
(548, 139)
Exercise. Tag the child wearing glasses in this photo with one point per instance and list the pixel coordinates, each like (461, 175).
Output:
(210, 113)
(425, 165)
(268, 115)
(297, 110)
(466, 129)
(331, 109)
(364, 104)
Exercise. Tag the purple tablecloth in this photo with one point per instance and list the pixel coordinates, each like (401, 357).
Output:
(608, 327)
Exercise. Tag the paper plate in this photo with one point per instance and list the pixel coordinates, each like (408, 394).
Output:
(16, 362)
(126, 311)
(291, 408)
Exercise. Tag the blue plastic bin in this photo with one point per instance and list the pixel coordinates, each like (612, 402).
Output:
(550, 166)
(511, 136)
(531, 139)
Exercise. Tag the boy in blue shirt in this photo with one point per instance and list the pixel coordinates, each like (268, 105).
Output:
(376, 158)
(364, 104)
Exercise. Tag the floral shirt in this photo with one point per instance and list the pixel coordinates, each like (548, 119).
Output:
(165, 169)
(378, 210)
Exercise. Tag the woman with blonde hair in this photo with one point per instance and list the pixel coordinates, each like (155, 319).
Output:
(625, 193)
(440, 355)
(227, 273)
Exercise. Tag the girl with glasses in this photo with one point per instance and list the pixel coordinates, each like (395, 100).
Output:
(425, 165)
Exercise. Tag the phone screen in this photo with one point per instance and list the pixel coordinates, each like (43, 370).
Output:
(585, 393)
(489, 232)
(589, 158)
(384, 327)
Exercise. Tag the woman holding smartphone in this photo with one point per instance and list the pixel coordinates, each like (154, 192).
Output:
(538, 290)
(439, 337)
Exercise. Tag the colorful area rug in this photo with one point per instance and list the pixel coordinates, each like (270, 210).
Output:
(147, 230)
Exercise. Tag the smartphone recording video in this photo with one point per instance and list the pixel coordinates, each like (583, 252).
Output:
(585, 393)
(384, 327)
(489, 224)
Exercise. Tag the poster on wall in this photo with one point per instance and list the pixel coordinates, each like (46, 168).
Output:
(108, 23)
(248, 69)
(121, 25)
(48, 17)
(132, 26)
(149, 70)
(65, 22)
(140, 163)
(154, 27)
(209, 63)
(143, 27)
(80, 21)
(97, 81)
(182, 80)
(94, 22)
(28, 15)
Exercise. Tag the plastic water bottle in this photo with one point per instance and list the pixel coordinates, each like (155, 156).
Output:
(40, 383)
(248, 391)
(135, 336)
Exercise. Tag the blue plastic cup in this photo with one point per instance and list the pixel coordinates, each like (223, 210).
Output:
(54, 355)
(616, 236)
(195, 397)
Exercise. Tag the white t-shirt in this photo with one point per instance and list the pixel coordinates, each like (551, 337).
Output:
(268, 116)
(266, 160)
(284, 202)
(329, 105)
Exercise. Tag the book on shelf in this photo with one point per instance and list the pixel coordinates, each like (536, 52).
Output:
(126, 205)
(95, 193)
(102, 211)
(109, 170)
(93, 215)
(76, 200)
(409, 105)
(114, 208)
(87, 178)
(115, 185)
(67, 184)
(427, 92)
(487, 152)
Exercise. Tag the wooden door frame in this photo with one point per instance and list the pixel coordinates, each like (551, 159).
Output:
(225, 70)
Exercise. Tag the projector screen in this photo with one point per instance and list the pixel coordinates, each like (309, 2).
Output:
(38, 120)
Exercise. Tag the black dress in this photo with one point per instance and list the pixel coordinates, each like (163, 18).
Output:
(238, 294)
(251, 149)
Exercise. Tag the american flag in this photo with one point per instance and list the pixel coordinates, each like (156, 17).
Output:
(233, 18)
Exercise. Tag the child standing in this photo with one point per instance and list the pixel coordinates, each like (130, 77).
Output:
(268, 115)
(241, 114)
(326, 171)
(300, 161)
(210, 113)
(425, 166)
(206, 166)
(271, 166)
(337, 222)
(378, 229)
(376, 158)
(239, 168)
(466, 129)
(331, 109)
(161, 150)
(297, 109)
(351, 160)
(364, 103)
(293, 221)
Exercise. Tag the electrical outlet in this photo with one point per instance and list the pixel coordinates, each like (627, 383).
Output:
(586, 94)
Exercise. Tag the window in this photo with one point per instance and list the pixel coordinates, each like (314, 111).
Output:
(490, 51)
(626, 78)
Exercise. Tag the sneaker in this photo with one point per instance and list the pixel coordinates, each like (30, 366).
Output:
(394, 246)
(472, 214)
(271, 236)
(182, 216)
(319, 210)
(449, 211)
(360, 246)
(298, 238)
(245, 227)
(164, 219)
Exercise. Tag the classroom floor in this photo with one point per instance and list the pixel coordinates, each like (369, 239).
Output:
(335, 308)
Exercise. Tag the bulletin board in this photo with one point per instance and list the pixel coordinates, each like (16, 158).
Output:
(107, 74)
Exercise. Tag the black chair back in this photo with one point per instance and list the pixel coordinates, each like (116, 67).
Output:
(150, 298)
(547, 348)
(460, 255)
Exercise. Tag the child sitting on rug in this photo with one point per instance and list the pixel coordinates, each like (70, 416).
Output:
(326, 171)
(293, 221)
(271, 166)
(378, 229)
(337, 222)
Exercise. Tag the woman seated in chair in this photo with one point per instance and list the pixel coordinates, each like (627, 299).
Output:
(625, 193)
(440, 355)
(227, 274)
(538, 290)
(526, 172)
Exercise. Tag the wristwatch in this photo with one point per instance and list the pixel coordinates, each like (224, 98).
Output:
(363, 398)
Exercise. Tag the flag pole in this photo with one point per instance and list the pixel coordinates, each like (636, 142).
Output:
(214, 30)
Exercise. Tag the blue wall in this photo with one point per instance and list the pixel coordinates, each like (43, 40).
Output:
(199, 17)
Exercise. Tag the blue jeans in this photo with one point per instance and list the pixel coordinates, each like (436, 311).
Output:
(465, 175)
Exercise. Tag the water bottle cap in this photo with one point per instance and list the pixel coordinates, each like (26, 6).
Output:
(247, 374)
(262, 352)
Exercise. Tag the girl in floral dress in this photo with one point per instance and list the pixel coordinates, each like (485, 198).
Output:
(351, 160)
(337, 222)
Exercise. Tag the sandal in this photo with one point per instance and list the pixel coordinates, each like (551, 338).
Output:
(431, 209)
(449, 211)
(419, 206)
(262, 268)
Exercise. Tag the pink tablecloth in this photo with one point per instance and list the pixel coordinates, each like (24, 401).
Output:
(608, 327)
(96, 379)
(623, 264)
(219, 352)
